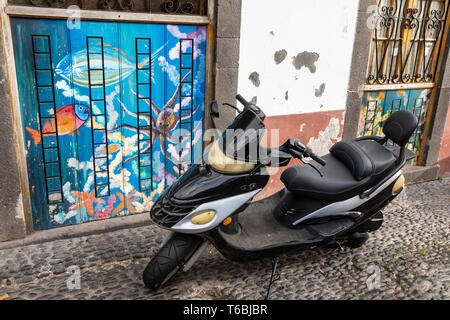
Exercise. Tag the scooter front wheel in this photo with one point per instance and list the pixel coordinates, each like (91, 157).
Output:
(169, 259)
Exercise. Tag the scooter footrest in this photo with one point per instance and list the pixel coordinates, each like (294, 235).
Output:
(330, 228)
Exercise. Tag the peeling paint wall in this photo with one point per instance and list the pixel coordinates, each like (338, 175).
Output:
(320, 130)
(300, 47)
(326, 138)
(295, 60)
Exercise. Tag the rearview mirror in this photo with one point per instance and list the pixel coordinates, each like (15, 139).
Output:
(214, 109)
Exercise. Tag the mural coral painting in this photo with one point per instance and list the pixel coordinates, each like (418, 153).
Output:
(127, 102)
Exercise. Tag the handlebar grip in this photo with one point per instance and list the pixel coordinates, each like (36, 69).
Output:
(318, 159)
(241, 99)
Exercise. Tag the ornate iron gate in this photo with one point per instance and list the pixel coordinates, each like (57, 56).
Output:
(403, 62)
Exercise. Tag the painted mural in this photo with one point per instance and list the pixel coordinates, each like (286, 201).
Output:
(112, 114)
(377, 106)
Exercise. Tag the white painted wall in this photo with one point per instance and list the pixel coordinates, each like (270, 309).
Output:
(326, 27)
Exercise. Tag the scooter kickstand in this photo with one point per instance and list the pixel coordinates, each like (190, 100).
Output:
(275, 276)
(341, 248)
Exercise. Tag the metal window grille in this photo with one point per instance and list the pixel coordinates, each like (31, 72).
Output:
(144, 98)
(406, 41)
(45, 92)
(99, 120)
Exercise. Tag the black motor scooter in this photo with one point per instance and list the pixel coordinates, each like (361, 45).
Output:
(331, 200)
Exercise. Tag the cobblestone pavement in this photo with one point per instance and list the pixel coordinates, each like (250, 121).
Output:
(408, 258)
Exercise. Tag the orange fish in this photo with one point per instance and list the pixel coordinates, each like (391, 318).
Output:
(69, 119)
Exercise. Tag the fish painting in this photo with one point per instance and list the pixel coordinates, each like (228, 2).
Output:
(69, 118)
(115, 63)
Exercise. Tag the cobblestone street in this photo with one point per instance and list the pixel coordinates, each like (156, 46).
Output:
(409, 256)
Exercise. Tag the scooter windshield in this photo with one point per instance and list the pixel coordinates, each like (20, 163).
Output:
(237, 149)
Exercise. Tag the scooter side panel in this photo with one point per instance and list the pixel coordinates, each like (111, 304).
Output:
(222, 208)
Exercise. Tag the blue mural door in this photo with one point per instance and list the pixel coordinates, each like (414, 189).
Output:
(112, 114)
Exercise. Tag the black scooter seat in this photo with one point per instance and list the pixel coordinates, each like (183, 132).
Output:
(351, 168)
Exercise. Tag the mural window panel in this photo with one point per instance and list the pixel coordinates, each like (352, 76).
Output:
(145, 160)
(102, 178)
(45, 94)
(96, 73)
(52, 170)
(143, 46)
(44, 78)
(143, 61)
(188, 73)
(40, 44)
(144, 106)
(95, 45)
(186, 89)
(186, 103)
(99, 122)
(146, 184)
(42, 62)
(145, 172)
(54, 197)
(186, 61)
(97, 93)
(50, 155)
(46, 109)
(49, 140)
(143, 76)
(144, 91)
(186, 46)
(102, 190)
(99, 137)
(47, 125)
(98, 107)
(100, 164)
(54, 184)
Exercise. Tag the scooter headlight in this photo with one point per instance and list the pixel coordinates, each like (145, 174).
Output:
(203, 217)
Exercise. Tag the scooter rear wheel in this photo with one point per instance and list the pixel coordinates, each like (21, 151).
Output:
(169, 259)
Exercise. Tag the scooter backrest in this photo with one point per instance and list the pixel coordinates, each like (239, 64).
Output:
(400, 126)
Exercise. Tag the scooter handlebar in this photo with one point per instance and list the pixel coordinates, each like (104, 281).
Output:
(241, 99)
(299, 149)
